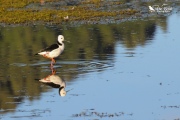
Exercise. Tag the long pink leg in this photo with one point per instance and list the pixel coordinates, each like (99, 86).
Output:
(52, 62)
(53, 72)
(51, 65)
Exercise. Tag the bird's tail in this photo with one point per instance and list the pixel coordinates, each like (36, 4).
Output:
(37, 79)
(36, 54)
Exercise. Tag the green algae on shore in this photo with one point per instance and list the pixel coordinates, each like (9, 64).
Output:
(17, 12)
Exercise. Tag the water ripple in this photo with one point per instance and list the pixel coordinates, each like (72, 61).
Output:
(86, 66)
(71, 66)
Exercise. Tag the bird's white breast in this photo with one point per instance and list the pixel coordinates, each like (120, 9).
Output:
(55, 53)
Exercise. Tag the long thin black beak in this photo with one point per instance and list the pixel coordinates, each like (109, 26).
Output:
(67, 41)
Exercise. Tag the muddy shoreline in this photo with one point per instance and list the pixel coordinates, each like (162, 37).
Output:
(78, 12)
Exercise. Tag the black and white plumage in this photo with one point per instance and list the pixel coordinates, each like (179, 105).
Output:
(53, 50)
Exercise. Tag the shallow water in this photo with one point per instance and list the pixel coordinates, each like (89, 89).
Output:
(114, 71)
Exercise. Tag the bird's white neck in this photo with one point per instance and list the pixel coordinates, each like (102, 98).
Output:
(60, 43)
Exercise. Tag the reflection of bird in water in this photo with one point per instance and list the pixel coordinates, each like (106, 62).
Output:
(53, 50)
(56, 82)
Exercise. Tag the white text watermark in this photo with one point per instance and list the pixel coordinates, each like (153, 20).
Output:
(165, 8)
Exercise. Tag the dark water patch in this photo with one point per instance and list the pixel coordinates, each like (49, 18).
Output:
(30, 116)
(130, 54)
(94, 113)
(171, 106)
(30, 113)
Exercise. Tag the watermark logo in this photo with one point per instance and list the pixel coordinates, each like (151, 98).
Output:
(164, 8)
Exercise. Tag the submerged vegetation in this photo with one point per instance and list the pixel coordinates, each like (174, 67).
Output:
(53, 11)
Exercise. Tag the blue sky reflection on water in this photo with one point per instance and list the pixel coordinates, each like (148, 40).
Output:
(151, 66)
(143, 87)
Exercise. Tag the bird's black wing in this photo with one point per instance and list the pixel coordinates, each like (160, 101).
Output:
(50, 48)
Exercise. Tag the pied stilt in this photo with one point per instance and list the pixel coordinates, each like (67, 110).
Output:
(53, 50)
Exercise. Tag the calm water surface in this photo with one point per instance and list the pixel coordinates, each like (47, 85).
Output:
(117, 71)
